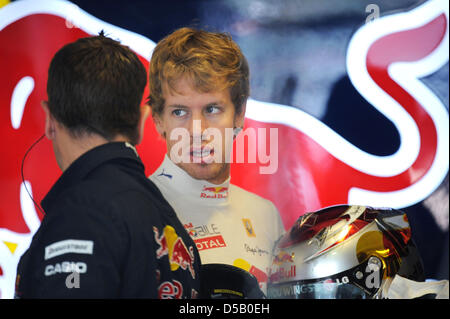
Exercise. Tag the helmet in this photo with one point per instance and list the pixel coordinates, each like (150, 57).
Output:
(344, 252)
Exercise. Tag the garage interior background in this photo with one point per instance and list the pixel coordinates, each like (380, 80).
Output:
(296, 52)
(297, 56)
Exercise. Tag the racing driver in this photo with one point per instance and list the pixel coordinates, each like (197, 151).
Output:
(199, 85)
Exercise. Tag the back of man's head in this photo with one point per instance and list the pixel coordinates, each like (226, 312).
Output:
(95, 85)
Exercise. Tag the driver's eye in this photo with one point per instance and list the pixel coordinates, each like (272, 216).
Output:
(179, 112)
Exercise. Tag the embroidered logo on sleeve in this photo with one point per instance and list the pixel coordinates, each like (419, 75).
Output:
(172, 245)
(170, 290)
(72, 246)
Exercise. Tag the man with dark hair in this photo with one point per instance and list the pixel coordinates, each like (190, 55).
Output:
(107, 230)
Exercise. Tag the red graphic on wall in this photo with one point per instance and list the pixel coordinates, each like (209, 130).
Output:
(316, 168)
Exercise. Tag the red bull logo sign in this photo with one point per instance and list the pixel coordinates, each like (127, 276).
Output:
(385, 59)
(30, 34)
(316, 167)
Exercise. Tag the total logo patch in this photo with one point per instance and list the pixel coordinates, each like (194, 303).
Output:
(206, 236)
(210, 242)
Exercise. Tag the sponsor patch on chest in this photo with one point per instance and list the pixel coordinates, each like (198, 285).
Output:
(206, 236)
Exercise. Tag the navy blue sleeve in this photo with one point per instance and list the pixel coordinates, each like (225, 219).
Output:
(79, 254)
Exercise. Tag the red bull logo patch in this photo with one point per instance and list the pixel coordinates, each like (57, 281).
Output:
(172, 245)
(214, 192)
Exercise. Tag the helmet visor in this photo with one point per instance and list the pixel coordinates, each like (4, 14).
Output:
(360, 282)
(316, 290)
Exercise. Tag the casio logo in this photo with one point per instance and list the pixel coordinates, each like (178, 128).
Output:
(65, 267)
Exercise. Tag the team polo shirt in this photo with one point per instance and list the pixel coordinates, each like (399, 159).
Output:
(227, 223)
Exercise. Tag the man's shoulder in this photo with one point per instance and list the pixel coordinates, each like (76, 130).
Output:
(110, 196)
(242, 195)
(115, 182)
(239, 191)
(93, 190)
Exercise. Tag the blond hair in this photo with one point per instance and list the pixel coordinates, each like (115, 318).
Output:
(210, 61)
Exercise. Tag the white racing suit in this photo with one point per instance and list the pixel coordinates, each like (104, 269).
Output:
(228, 224)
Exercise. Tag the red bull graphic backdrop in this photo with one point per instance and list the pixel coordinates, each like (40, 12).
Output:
(388, 61)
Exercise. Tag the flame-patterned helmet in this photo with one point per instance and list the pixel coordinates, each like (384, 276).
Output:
(344, 252)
